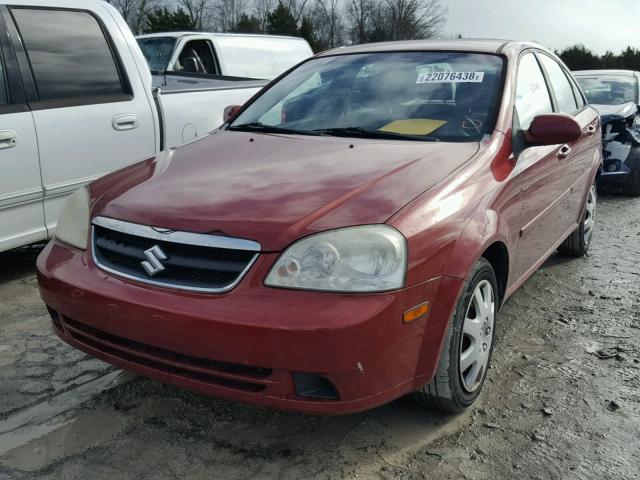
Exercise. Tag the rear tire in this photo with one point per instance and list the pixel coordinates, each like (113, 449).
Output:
(466, 353)
(632, 186)
(577, 244)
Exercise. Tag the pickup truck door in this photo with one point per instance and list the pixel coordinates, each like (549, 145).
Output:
(90, 107)
(21, 215)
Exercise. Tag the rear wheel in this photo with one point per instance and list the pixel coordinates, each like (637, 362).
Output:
(577, 244)
(632, 185)
(466, 353)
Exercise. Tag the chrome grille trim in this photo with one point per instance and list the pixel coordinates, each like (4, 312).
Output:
(178, 237)
(187, 238)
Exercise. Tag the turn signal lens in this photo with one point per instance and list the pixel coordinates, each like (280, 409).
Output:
(416, 312)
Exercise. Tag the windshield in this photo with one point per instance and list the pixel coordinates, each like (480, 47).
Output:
(157, 51)
(431, 96)
(609, 89)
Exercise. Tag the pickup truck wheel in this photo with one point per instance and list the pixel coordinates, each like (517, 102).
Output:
(466, 352)
(632, 185)
(577, 244)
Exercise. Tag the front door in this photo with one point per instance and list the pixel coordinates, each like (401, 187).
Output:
(90, 116)
(543, 173)
(21, 215)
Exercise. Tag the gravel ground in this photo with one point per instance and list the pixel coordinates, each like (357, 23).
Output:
(562, 399)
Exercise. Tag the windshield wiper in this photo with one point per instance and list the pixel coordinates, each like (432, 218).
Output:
(261, 127)
(364, 133)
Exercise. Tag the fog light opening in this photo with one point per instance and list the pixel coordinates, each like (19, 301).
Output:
(612, 166)
(314, 387)
(55, 320)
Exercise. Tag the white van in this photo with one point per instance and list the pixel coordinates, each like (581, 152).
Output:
(228, 54)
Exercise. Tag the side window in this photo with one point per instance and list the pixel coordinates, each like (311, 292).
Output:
(577, 94)
(560, 84)
(69, 54)
(4, 98)
(532, 96)
(196, 57)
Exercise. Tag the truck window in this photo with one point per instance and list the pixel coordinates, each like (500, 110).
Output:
(3, 83)
(69, 54)
(157, 51)
(196, 57)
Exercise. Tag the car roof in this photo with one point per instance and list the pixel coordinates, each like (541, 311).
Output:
(215, 34)
(622, 73)
(480, 45)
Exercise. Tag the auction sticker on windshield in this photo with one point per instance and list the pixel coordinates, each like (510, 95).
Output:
(451, 77)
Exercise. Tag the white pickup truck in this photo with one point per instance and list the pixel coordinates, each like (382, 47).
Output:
(76, 102)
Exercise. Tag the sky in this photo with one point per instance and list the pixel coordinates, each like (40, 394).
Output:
(599, 25)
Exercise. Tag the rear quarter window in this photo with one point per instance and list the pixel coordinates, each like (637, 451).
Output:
(69, 54)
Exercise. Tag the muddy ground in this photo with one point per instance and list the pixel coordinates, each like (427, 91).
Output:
(562, 399)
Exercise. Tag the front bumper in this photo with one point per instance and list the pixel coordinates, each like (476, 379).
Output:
(249, 344)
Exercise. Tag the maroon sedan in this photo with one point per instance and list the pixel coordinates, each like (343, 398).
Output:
(346, 238)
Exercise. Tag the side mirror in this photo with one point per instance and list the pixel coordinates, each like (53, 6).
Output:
(553, 129)
(230, 112)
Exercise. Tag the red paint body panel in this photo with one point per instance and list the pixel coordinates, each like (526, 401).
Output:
(284, 330)
(275, 189)
(450, 201)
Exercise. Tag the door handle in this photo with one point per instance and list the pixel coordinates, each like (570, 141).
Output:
(8, 139)
(126, 121)
(564, 152)
(591, 130)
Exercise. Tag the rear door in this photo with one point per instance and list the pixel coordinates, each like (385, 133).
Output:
(21, 214)
(90, 116)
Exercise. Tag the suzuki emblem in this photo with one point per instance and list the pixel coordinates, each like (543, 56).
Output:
(153, 264)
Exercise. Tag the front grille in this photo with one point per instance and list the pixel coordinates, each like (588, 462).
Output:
(189, 261)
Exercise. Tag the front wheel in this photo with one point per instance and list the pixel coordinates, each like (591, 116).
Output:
(466, 353)
(577, 244)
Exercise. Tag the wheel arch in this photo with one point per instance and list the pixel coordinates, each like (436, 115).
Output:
(497, 255)
(484, 236)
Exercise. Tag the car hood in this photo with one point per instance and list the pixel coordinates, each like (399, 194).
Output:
(274, 189)
(614, 113)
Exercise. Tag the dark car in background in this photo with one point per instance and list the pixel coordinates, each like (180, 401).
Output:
(616, 96)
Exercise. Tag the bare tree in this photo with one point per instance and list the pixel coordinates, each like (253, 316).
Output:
(262, 9)
(410, 19)
(359, 16)
(296, 7)
(135, 12)
(228, 13)
(200, 12)
(329, 26)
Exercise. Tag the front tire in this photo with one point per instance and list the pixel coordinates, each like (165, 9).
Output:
(466, 353)
(577, 244)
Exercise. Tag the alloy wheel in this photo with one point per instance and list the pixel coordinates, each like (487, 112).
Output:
(590, 215)
(477, 336)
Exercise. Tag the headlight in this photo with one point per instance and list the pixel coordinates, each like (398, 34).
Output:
(369, 258)
(634, 129)
(73, 222)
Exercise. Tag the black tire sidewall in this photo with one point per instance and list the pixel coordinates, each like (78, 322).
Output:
(482, 271)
